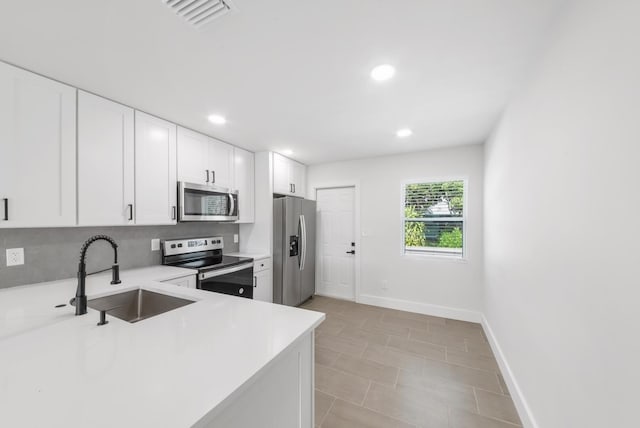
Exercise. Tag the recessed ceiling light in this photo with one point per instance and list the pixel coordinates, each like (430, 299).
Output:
(383, 72)
(217, 119)
(287, 152)
(404, 132)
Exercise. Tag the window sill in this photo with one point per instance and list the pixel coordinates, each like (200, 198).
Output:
(454, 257)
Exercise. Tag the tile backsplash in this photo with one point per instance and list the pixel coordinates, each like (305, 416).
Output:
(52, 254)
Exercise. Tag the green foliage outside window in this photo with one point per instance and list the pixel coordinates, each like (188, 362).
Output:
(451, 239)
(414, 231)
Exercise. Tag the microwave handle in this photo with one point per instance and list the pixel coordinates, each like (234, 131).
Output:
(232, 204)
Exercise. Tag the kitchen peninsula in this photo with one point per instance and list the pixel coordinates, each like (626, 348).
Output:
(220, 359)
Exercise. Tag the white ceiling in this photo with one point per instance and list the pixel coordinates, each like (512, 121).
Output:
(292, 73)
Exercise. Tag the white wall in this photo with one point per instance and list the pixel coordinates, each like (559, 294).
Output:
(562, 226)
(422, 284)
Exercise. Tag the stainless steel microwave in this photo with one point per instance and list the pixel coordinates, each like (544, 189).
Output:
(199, 202)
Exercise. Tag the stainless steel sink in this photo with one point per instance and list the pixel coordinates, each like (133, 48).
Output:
(137, 305)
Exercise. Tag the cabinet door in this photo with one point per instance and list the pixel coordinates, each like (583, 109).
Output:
(281, 182)
(155, 170)
(37, 150)
(193, 152)
(105, 162)
(263, 286)
(298, 174)
(244, 183)
(221, 163)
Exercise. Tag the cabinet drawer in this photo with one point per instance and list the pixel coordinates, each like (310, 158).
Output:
(261, 264)
(185, 281)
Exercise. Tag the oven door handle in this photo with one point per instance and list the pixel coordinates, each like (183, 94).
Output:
(219, 272)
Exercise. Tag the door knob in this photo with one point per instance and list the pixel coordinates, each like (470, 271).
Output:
(351, 252)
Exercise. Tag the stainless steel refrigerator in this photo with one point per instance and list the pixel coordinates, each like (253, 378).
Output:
(294, 250)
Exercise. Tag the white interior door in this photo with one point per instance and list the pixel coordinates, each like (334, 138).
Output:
(335, 268)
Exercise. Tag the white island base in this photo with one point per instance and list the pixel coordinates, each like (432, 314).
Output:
(282, 396)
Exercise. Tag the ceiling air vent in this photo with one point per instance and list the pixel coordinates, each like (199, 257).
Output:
(199, 12)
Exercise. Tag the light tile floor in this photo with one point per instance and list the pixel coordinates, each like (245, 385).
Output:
(379, 368)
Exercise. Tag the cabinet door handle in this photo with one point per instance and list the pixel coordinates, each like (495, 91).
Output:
(255, 281)
(294, 188)
(6, 208)
(173, 212)
(130, 206)
(207, 175)
(213, 176)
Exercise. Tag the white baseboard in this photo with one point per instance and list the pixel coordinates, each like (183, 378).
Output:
(328, 293)
(524, 411)
(421, 308)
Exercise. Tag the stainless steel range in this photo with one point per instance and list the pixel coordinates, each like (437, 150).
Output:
(216, 272)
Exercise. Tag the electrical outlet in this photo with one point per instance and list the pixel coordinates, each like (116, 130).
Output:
(235, 238)
(15, 256)
(155, 245)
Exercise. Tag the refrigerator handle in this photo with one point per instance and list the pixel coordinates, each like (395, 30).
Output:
(303, 244)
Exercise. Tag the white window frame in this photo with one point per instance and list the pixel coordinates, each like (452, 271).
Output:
(465, 198)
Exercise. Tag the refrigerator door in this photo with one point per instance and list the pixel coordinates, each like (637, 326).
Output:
(286, 251)
(307, 219)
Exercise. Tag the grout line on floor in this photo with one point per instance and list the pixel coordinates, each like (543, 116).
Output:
(395, 384)
(366, 393)
(328, 410)
(476, 398)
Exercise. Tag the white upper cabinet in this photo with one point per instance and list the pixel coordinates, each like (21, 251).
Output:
(244, 184)
(289, 176)
(37, 150)
(105, 162)
(155, 170)
(298, 175)
(193, 157)
(221, 161)
(281, 182)
(204, 160)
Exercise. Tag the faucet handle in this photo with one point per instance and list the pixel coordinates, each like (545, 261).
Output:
(115, 274)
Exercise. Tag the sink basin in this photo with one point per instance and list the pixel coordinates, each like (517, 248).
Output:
(137, 305)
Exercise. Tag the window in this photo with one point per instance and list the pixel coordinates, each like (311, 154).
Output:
(434, 217)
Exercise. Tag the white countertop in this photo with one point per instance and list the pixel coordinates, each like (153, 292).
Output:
(254, 256)
(171, 370)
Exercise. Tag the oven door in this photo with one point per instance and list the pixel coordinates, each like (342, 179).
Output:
(234, 280)
(199, 202)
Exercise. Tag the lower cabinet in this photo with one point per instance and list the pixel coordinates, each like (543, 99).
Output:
(281, 396)
(184, 281)
(263, 280)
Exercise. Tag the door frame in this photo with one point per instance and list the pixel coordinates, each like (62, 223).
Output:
(356, 214)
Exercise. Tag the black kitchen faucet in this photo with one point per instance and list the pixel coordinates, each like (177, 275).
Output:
(80, 301)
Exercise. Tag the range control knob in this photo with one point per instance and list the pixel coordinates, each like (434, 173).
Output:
(241, 291)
